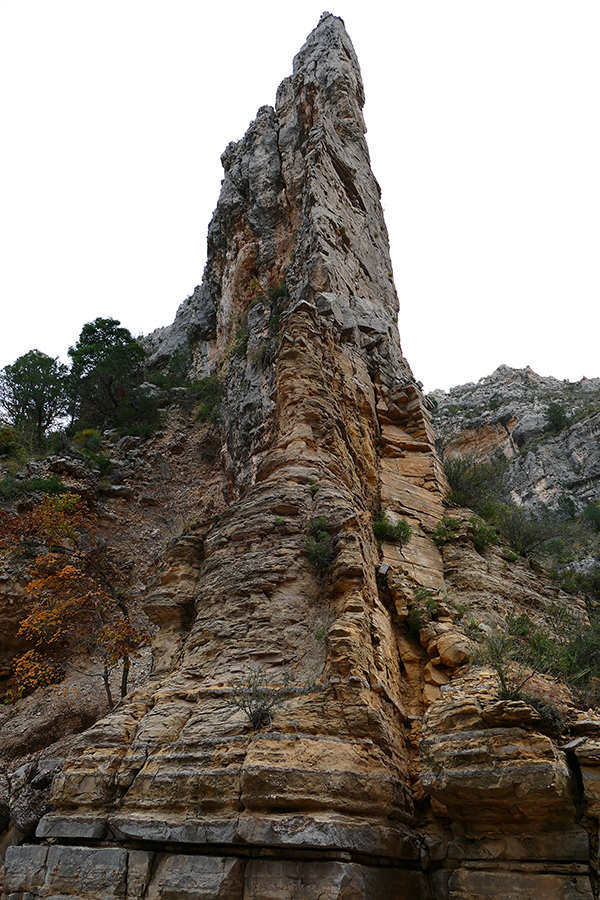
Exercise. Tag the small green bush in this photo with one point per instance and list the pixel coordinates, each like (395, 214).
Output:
(318, 543)
(89, 438)
(276, 296)
(98, 461)
(278, 293)
(386, 530)
(208, 393)
(446, 530)
(526, 533)
(591, 515)
(258, 696)
(484, 535)
(424, 597)
(556, 418)
(90, 442)
(477, 485)
(11, 487)
(10, 442)
(240, 345)
(565, 647)
(414, 622)
(274, 323)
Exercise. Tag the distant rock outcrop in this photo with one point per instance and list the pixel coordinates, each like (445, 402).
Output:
(508, 411)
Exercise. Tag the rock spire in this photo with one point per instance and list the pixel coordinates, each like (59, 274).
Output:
(322, 420)
(177, 793)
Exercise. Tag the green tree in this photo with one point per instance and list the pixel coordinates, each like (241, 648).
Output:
(107, 365)
(33, 394)
(556, 418)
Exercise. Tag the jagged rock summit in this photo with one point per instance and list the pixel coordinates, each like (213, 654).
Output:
(178, 793)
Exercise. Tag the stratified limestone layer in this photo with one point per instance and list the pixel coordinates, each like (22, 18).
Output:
(322, 419)
(116, 873)
(174, 794)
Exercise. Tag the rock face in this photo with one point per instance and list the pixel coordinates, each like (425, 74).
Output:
(174, 794)
(508, 411)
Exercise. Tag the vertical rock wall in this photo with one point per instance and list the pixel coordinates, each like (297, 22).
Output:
(174, 795)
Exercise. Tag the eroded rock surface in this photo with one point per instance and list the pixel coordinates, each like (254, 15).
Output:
(174, 794)
(507, 411)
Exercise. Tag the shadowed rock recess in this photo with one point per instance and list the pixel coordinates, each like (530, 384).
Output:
(174, 795)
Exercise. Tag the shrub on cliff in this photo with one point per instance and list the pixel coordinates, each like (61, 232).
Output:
(394, 532)
(208, 394)
(591, 515)
(527, 533)
(477, 485)
(565, 647)
(318, 543)
(258, 695)
(556, 418)
(483, 487)
(447, 529)
(484, 535)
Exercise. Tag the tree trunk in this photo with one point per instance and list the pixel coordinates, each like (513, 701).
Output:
(125, 675)
(105, 676)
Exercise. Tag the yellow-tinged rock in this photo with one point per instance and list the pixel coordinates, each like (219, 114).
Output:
(431, 693)
(454, 649)
(433, 675)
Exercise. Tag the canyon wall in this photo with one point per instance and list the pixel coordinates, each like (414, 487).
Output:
(175, 794)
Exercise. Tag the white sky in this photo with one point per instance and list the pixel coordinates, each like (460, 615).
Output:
(484, 134)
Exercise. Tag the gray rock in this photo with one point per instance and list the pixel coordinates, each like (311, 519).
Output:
(195, 320)
(507, 411)
(28, 808)
(25, 869)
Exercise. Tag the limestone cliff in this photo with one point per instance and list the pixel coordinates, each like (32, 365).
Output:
(174, 794)
(508, 411)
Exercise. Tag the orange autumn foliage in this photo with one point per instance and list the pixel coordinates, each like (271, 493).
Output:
(56, 519)
(78, 609)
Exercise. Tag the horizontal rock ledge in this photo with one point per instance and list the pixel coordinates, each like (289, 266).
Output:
(300, 832)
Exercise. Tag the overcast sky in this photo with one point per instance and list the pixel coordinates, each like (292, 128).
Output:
(483, 130)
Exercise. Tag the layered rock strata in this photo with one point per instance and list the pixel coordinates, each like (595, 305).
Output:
(323, 424)
(322, 420)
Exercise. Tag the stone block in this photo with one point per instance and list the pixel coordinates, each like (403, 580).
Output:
(454, 649)
(179, 877)
(330, 880)
(54, 825)
(433, 675)
(24, 869)
(139, 867)
(520, 883)
(82, 871)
